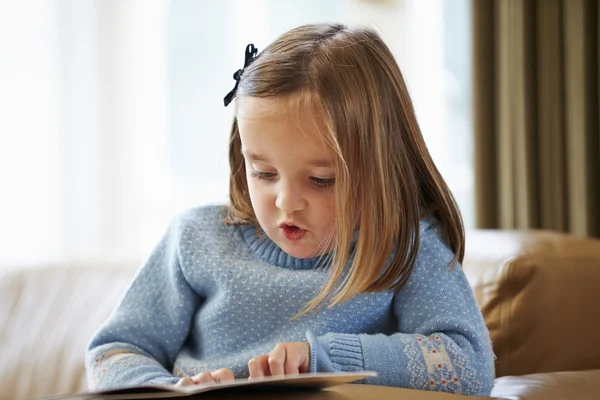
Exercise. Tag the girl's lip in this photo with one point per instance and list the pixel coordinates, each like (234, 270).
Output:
(289, 224)
(292, 232)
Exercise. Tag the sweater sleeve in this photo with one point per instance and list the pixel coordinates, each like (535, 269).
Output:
(139, 342)
(442, 342)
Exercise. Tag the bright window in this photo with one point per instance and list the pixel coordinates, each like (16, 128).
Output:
(113, 121)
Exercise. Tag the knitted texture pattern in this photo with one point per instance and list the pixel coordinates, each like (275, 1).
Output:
(212, 296)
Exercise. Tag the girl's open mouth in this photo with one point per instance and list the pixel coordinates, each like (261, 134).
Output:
(292, 232)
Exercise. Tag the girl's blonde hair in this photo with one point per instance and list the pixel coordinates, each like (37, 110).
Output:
(386, 180)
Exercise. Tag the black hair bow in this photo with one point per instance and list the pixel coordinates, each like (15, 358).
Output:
(251, 52)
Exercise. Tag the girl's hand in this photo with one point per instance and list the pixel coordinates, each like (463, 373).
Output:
(284, 359)
(220, 375)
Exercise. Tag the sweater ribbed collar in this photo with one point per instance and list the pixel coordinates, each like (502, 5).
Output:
(272, 254)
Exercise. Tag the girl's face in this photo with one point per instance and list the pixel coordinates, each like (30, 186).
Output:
(290, 174)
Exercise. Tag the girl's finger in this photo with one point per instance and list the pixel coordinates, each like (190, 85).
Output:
(301, 357)
(187, 381)
(203, 377)
(223, 375)
(277, 358)
(293, 361)
(259, 366)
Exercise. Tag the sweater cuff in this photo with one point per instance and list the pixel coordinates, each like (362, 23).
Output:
(319, 360)
(336, 352)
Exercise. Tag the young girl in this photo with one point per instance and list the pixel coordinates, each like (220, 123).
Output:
(339, 249)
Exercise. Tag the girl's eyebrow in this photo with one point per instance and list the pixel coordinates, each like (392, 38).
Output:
(253, 156)
(317, 163)
(320, 163)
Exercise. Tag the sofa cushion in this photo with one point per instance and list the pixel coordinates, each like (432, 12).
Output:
(539, 294)
(47, 317)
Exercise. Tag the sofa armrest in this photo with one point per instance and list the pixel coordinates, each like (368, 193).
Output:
(539, 295)
(571, 385)
(47, 317)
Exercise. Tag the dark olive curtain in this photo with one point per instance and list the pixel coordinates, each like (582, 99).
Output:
(537, 143)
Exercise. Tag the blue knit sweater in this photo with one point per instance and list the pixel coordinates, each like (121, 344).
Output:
(213, 296)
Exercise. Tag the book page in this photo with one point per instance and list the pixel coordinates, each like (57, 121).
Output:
(302, 381)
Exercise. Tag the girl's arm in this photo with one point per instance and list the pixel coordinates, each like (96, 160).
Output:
(442, 343)
(139, 342)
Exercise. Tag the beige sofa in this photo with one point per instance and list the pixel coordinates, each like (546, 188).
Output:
(539, 292)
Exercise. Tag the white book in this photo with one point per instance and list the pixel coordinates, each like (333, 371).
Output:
(290, 382)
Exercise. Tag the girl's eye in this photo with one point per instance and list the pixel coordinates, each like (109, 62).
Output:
(262, 175)
(323, 182)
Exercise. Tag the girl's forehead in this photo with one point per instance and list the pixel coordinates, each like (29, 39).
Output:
(293, 112)
(272, 122)
(255, 107)
(278, 107)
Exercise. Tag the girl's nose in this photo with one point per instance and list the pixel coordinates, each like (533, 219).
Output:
(290, 199)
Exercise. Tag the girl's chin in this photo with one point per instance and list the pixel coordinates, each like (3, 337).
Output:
(301, 251)
(302, 248)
